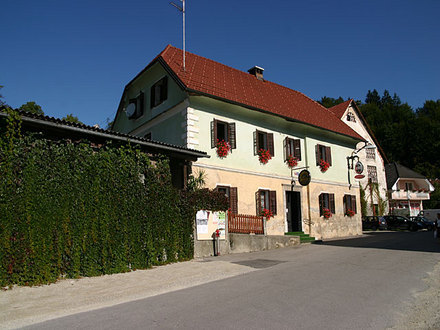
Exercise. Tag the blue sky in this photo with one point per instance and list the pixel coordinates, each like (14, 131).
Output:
(76, 56)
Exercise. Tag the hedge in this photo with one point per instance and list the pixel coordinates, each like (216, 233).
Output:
(69, 209)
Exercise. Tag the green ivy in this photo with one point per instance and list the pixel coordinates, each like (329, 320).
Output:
(70, 209)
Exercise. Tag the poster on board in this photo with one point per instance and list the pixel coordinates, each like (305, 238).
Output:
(208, 222)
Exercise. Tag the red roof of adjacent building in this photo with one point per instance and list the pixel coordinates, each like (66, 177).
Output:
(340, 108)
(218, 80)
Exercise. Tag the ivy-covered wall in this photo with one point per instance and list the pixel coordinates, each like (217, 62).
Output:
(68, 209)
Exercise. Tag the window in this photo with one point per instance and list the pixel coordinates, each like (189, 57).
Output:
(292, 147)
(231, 194)
(350, 203)
(371, 153)
(326, 201)
(263, 140)
(139, 106)
(159, 92)
(372, 173)
(351, 117)
(266, 199)
(323, 152)
(409, 186)
(221, 130)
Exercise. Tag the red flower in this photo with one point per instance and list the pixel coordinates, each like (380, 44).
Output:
(223, 148)
(267, 214)
(327, 213)
(350, 213)
(292, 161)
(323, 165)
(264, 156)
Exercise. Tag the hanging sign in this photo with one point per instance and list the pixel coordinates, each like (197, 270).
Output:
(304, 178)
(359, 168)
(359, 176)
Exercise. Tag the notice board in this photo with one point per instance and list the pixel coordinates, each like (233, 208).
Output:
(207, 222)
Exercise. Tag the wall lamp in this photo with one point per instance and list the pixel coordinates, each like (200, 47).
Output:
(354, 156)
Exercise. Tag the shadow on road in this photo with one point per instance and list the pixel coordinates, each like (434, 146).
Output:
(422, 241)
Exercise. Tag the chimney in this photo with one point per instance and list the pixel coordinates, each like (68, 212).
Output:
(257, 72)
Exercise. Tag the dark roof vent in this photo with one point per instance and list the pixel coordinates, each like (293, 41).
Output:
(257, 72)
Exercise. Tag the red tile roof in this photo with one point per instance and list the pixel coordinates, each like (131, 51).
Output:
(221, 81)
(339, 109)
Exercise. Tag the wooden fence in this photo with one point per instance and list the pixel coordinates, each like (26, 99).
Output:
(245, 224)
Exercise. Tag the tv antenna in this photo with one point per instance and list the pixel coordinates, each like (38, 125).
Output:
(182, 10)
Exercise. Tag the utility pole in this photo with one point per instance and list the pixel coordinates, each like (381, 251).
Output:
(182, 10)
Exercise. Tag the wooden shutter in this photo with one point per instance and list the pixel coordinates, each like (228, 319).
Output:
(152, 96)
(328, 155)
(213, 133)
(270, 144)
(353, 203)
(273, 201)
(297, 149)
(255, 143)
(164, 89)
(231, 135)
(318, 154)
(331, 201)
(286, 148)
(345, 201)
(258, 202)
(233, 199)
(321, 204)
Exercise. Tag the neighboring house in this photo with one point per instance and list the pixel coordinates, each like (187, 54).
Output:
(407, 189)
(374, 183)
(209, 101)
(54, 128)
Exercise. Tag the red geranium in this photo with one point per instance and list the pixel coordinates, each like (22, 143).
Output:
(267, 214)
(264, 156)
(350, 213)
(327, 213)
(323, 165)
(292, 161)
(223, 148)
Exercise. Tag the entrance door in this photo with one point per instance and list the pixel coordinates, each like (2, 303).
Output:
(293, 202)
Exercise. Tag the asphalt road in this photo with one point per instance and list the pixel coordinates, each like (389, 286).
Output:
(363, 283)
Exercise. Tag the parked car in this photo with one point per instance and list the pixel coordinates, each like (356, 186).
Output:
(373, 222)
(399, 222)
(423, 222)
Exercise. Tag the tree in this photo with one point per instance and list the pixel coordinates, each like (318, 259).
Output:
(1, 96)
(71, 118)
(372, 97)
(32, 107)
(329, 102)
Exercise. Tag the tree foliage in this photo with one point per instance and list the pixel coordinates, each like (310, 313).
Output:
(32, 107)
(71, 118)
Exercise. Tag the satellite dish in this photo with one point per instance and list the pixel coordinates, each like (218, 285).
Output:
(130, 110)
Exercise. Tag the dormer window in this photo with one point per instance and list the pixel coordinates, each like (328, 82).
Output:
(159, 92)
(135, 107)
(351, 117)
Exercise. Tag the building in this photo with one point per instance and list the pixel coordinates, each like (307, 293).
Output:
(209, 102)
(374, 183)
(407, 189)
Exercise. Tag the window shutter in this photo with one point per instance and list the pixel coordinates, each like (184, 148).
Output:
(297, 149)
(331, 198)
(353, 203)
(273, 201)
(164, 89)
(140, 105)
(152, 97)
(231, 135)
(286, 148)
(258, 202)
(270, 144)
(328, 155)
(255, 143)
(213, 133)
(318, 155)
(345, 204)
(321, 204)
(233, 199)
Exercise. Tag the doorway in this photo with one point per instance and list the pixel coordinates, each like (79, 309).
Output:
(293, 206)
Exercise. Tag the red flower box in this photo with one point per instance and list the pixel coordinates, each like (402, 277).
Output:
(264, 156)
(223, 148)
(267, 214)
(323, 165)
(350, 213)
(327, 213)
(292, 161)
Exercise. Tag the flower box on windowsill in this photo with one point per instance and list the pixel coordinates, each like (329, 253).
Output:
(323, 165)
(327, 213)
(222, 148)
(264, 156)
(292, 161)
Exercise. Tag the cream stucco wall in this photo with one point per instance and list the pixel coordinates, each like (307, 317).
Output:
(378, 162)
